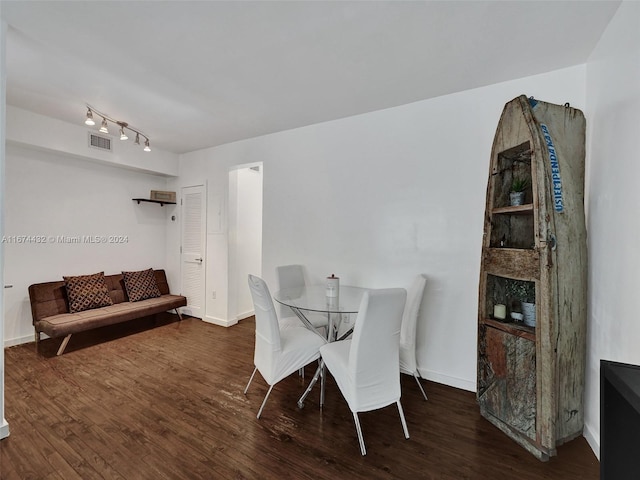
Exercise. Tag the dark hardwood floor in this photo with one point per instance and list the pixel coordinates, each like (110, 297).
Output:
(164, 401)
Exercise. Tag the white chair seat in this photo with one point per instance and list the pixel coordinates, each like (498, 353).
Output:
(289, 322)
(299, 347)
(336, 358)
(370, 395)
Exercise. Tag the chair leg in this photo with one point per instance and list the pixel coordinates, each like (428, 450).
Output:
(323, 376)
(264, 401)
(415, 375)
(247, 387)
(404, 422)
(359, 430)
(63, 345)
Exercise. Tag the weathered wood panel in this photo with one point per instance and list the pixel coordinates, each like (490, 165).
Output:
(512, 263)
(513, 329)
(507, 388)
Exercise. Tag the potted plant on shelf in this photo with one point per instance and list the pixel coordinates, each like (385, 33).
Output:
(518, 186)
(523, 297)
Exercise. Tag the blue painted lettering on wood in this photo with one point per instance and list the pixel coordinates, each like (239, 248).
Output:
(558, 203)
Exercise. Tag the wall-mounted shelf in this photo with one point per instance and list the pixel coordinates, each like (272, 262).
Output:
(161, 202)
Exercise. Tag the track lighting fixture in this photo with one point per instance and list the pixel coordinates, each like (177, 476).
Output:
(89, 121)
(104, 127)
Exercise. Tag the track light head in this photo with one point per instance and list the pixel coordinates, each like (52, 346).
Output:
(147, 148)
(89, 121)
(123, 136)
(137, 140)
(104, 128)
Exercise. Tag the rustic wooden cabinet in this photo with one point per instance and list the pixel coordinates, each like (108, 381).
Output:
(531, 375)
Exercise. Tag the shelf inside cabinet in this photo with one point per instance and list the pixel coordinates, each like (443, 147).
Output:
(513, 228)
(161, 202)
(526, 209)
(513, 328)
(510, 165)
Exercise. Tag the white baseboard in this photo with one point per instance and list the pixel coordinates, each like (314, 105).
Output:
(4, 429)
(219, 321)
(12, 342)
(244, 315)
(448, 380)
(592, 440)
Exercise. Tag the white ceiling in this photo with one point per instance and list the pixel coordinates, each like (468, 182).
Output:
(195, 74)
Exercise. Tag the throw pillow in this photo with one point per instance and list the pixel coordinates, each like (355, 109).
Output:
(86, 292)
(141, 285)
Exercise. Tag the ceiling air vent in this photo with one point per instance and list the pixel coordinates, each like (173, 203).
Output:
(99, 142)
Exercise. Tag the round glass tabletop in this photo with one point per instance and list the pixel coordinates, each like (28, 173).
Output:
(314, 298)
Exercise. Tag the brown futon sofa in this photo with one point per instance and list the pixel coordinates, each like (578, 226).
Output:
(50, 307)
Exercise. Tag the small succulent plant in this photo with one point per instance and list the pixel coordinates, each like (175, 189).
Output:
(519, 184)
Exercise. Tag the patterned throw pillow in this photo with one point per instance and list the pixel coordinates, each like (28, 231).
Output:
(86, 292)
(141, 285)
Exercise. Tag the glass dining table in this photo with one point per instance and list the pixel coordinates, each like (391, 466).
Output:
(313, 298)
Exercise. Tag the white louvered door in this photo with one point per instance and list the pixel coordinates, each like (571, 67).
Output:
(193, 249)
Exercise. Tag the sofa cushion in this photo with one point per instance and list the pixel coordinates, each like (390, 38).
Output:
(141, 285)
(67, 323)
(86, 292)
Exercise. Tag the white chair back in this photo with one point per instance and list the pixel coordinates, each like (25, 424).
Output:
(373, 358)
(289, 276)
(408, 330)
(267, 329)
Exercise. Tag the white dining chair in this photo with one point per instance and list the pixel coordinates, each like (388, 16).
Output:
(292, 276)
(366, 366)
(278, 351)
(408, 362)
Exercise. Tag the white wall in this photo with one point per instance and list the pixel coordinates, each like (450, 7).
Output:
(381, 197)
(54, 195)
(613, 223)
(4, 426)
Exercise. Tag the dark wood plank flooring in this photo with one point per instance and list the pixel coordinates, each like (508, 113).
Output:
(164, 400)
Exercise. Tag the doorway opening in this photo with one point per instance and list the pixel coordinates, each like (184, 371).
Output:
(245, 235)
